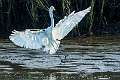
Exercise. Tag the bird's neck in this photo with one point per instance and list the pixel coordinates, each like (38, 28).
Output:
(52, 18)
(52, 21)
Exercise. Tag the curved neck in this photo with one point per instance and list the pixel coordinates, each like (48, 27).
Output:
(51, 17)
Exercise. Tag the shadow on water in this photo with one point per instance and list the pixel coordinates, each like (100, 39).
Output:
(92, 58)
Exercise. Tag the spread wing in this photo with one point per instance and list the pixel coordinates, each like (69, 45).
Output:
(40, 39)
(26, 39)
(47, 37)
(64, 26)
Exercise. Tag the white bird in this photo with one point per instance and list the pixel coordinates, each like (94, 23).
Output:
(48, 39)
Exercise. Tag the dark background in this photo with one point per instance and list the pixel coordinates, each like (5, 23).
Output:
(21, 14)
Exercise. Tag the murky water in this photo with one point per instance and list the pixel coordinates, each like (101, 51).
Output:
(92, 58)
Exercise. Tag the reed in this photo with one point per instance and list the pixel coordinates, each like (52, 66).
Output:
(36, 5)
(0, 11)
(92, 15)
(5, 10)
(101, 12)
(9, 14)
(66, 7)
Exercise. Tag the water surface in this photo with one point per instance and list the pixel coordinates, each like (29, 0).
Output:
(91, 58)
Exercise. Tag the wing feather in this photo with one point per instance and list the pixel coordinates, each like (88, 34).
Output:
(48, 37)
(26, 39)
(35, 40)
(64, 26)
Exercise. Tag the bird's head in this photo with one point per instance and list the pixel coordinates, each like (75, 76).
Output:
(52, 8)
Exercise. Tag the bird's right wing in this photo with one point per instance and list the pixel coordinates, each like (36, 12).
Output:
(26, 39)
(20, 38)
(64, 26)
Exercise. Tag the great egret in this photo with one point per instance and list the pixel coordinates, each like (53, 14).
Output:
(48, 39)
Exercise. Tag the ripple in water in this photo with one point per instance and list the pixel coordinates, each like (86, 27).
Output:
(75, 59)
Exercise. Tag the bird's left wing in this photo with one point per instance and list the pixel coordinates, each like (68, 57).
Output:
(64, 26)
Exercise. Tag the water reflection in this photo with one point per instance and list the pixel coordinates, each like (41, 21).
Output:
(83, 59)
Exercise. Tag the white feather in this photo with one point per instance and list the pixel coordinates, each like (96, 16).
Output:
(48, 39)
(64, 26)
